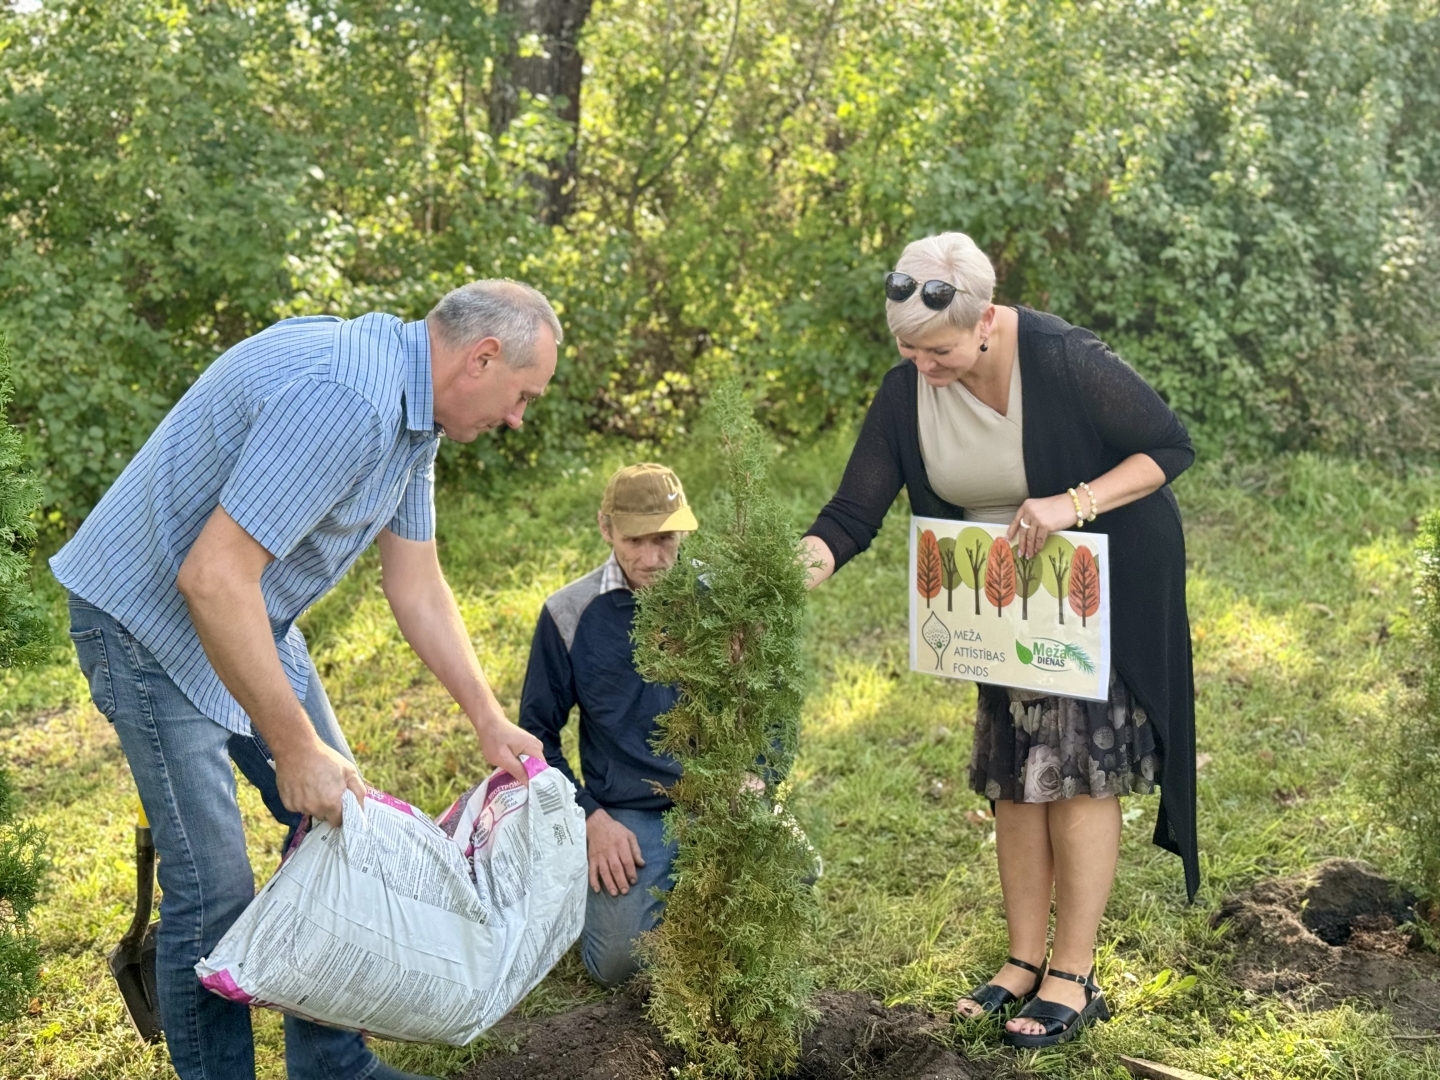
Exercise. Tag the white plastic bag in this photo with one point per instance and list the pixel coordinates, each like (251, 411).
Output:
(398, 926)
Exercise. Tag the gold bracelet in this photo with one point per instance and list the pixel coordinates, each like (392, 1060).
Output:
(1079, 517)
(1094, 504)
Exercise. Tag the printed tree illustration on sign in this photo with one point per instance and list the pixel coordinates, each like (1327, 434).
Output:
(1055, 559)
(949, 570)
(974, 547)
(1084, 584)
(1000, 575)
(1027, 580)
(937, 636)
(927, 567)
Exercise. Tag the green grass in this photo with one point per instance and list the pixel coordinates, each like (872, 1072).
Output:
(1299, 599)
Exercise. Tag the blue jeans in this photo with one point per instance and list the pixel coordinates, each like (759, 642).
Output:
(181, 761)
(612, 923)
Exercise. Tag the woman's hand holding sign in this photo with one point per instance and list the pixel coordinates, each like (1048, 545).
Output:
(1134, 478)
(1036, 520)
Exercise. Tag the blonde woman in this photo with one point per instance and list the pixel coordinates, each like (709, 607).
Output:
(993, 415)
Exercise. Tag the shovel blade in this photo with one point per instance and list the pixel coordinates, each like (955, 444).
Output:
(133, 965)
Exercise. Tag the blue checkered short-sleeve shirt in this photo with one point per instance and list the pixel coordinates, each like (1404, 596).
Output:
(314, 435)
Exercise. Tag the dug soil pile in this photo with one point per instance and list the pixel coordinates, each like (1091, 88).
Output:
(1333, 934)
(856, 1038)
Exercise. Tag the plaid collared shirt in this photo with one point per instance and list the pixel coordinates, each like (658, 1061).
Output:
(612, 577)
(313, 435)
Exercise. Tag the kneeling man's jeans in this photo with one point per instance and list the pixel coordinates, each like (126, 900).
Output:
(181, 763)
(612, 923)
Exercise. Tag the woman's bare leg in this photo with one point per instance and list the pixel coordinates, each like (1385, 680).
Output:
(1027, 873)
(1085, 840)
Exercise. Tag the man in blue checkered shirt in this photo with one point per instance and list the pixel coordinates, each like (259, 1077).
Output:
(289, 456)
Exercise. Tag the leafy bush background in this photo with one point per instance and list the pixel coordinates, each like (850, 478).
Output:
(1241, 197)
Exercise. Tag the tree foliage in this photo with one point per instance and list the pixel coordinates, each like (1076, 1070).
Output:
(24, 631)
(24, 636)
(22, 871)
(1239, 197)
(1414, 805)
(730, 983)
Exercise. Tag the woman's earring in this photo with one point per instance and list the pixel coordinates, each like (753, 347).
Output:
(985, 346)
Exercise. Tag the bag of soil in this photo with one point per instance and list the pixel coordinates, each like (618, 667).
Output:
(399, 926)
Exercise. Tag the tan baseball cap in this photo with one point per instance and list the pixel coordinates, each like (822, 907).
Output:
(647, 498)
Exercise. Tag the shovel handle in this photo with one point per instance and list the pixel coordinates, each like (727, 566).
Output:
(144, 877)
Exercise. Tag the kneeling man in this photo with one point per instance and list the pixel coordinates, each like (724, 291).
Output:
(582, 655)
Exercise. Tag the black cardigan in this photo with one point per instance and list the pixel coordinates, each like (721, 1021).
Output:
(1086, 411)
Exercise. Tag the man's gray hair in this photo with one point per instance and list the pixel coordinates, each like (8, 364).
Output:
(951, 257)
(498, 308)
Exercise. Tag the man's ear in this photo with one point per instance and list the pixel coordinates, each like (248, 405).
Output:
(604, 528)
(482, 354)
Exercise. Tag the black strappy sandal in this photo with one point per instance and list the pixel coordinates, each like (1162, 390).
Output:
(992, 999)
(1061, 1022)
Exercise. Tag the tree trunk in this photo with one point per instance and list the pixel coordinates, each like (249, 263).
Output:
(555, 74)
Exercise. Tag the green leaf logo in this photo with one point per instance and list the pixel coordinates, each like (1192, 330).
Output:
(1023, 653)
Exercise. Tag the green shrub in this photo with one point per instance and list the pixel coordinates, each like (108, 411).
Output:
(22, 871)
(24, 637)
(1415, 769)
(24, 629)
(729, 979)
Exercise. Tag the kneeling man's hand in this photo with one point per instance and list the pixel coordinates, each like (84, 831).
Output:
(614, 854)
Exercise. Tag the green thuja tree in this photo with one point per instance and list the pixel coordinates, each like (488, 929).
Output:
(1414, 806)
(24, 631)
(729, 978)
(22, 868)
(24, 637)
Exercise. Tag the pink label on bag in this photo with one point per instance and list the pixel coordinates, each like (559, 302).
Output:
(221, 983)
(503, 796)
(501, 781)
(389, 800)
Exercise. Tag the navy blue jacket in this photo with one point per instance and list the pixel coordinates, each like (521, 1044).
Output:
(582, 655)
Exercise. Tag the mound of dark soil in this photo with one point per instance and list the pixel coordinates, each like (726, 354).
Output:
(611, 1040)
(1332, 934)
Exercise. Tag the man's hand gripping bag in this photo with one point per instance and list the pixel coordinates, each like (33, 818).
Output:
(413, 929)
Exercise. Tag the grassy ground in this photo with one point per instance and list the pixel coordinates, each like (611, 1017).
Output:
(1299, 592)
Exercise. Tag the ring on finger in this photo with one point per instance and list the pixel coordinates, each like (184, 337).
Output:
(1024, 524)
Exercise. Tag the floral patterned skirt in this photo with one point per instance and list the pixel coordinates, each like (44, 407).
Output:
(1056, 747)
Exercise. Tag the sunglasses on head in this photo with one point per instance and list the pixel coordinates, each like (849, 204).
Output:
(934, 294)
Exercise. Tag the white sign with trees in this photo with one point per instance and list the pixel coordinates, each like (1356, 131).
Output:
(1039, 624)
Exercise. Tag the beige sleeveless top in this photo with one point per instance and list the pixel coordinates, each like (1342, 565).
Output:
(974, 457)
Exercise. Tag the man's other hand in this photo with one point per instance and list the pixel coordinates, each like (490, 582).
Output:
(312, 781)
(614, 854)
(502, 743)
